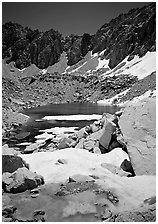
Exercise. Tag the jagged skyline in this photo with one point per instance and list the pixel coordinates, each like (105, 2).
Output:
(66, 17)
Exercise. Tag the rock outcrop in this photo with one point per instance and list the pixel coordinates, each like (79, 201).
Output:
(128, 34)
(25, 46)
(11, 163)
(77, 47)
(138, 124)
(21, 180)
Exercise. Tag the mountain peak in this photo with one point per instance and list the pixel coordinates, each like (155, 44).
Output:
(128, 34)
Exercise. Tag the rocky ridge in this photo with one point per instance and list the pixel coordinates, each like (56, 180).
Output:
(133, 32)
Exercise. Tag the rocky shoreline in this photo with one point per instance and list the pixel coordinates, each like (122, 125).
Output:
(108, 140)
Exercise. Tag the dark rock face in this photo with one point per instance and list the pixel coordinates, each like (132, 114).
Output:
(77, 47)
(45, 50)
(25, 46)
(128, 34)
(11, 163)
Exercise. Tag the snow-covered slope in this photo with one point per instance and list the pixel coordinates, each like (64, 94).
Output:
(138, 66)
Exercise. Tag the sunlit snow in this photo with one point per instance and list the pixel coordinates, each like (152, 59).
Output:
(74, 117)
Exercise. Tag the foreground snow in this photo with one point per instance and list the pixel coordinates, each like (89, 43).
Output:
(78, 161)
(130, 191)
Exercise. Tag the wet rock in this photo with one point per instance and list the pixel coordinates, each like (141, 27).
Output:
(21, 180)
(11, 163)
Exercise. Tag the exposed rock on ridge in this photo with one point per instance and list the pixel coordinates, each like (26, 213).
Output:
(128, 34)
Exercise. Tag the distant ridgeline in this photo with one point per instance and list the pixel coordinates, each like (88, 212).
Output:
(128, 34)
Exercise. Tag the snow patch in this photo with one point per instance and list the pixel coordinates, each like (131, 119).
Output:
(43, 71)
(21, 70)
(102, 52)
(57, 132)
(76, 69)
(138, 66)
(103, 63)
(79, 117)
(67, 68)
(145, 66)
(110, 101)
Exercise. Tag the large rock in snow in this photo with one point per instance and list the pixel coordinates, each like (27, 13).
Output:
(104, 141)
(11, 163)
(21, 180)
(138, 124)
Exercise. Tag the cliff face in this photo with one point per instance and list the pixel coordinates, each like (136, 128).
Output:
(25, 46)
(77, 47)
(128, 34)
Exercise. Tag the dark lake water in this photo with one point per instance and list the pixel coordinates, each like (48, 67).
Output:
(70, 109)
(67, 123)
(65, 109)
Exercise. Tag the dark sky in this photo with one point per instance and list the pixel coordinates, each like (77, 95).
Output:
(66, 17)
